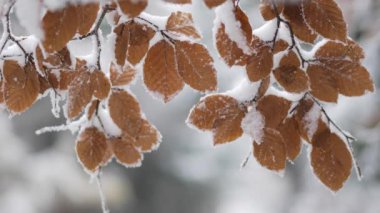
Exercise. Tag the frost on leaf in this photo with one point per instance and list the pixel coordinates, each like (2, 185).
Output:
(125, 111)
(195, 65)
(220, 114)
(21, 86)
(338, 71)
(260, 63)
(132, 42)
(331, 160)
(326, 18)
(230, 49)
(91, 148)
(271, 153)
(161, 71)
(59, 27)
(125, 152)
(132, 8)
(122, 77)
(294, 14)
(181, 23)
(100, 84)
(79, 94)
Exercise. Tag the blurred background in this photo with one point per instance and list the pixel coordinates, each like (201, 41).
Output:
(40, 173)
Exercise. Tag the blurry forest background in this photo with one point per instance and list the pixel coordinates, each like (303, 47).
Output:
(40, 173)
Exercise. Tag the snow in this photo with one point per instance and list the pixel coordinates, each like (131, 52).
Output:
(253, 124)
(28, 13)
(311, 120)
(244, 91)
(225, 14)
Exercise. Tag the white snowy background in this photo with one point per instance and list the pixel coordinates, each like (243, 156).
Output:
(40, 173)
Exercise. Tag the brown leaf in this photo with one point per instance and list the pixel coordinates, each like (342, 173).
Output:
(292, 138)
(274, 109)
(87, 14)
(322, 84)
(181, 23)
(320, 12)
(21, 86)
(331, 160)
(228, 49)
(122, 77)
(132, 42)
(79, 94)
(125, 152)
(132, 8)
(290, 76)
(125, 112)
(307, 116)
(160, 71)
(268, 12)
(213, 3)
(100, 84)
(271, 153)
(91, 148)
(220, 114)
(281, 45)
(294, 14)
(148, 137)
(338, 51)
(195, 65)
(92, 109)
(59, 27)
(264, 86)
(260, 63)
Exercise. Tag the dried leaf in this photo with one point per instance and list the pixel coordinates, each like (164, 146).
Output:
(274, 109)
(295, 15)
(228, 49)
(322, 84)
(132, 8)
(319, 12)
(125, 152)
(271, 153)
(122, 77)
(330, 159)
(91, 148)
(214, 3)
(79, 94)
(307, 116)
(132, 42)
(87, 14)
(100, 84)
(59, 27)
(21, 86)
(160, 71)
(220, 114)
(148, 137)
(125, 112)
(290, 76)
(292, 138)
(195, 65)
(268, 11)
(181, 23)
(260, 63)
